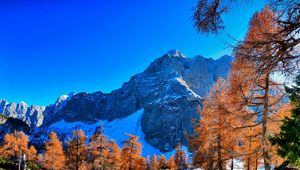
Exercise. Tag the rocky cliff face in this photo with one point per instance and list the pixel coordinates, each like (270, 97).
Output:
(170, 91)
(31, 115)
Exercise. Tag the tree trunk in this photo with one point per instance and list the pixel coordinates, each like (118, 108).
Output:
(249, 159)
(232, 164)
(265, 121)
(24, 160)
(248, 163)
(19, 166)
(211, 164)
(256, 163)
(220, 166)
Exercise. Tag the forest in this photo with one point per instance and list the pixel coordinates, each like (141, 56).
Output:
(99, 153)
(251, 118)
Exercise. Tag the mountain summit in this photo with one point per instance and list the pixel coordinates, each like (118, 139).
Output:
(169, 93)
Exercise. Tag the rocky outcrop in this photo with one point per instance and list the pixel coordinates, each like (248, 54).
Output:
(31, 115)
(170, 90)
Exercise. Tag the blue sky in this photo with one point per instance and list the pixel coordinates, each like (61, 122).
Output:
(52, 47)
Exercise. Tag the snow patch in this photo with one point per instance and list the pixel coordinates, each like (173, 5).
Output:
(182, 82)
(23, 103)
(115, 130)
(175, 53)
(62, 101)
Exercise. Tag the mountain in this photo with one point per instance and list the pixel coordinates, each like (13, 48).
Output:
(168, 95)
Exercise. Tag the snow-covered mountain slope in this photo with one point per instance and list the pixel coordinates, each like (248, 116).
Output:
(115, 130)
(169, 91)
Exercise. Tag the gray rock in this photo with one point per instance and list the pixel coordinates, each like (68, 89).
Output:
(32, 116)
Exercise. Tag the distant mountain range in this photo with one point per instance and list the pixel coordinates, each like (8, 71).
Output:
(166, 96)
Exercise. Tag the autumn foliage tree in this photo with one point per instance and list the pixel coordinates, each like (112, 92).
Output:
(54, 157)
(15, 148)
(131, 153)
(163, 162)
(114, 155)
(15, 145)
(32, 154)
(215, 142)
(104, 153)
(171, 163)
(208, 19)
(181, 158)
(154, 163)
(77, 151)
(261, 95)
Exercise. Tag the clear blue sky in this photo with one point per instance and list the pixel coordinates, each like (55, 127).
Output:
(52, 47)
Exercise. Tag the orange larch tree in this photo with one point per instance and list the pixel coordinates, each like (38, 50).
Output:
(104, 153)
(32, 154)
(154, 163)
(98, 149)
(216, 141)
(263, 95)
(171, 163)
(15, 144)
(114, 154)
(181, 158)
(77, 150)
(131, 152)
(54, 157)
(16, 148)
(163, 162)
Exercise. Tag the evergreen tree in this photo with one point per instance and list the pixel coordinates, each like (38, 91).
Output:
(288, 139)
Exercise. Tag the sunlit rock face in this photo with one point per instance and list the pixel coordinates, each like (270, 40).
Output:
(31, 115)
(170, 91)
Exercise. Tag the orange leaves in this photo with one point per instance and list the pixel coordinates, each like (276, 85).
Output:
(15, 148)
(54, 157)
(32, 154)
(104, 153)
(77, 150)
(276, 118)
(16, 144)
(100, 153)
(131, 153)
(214, 140)
(180, 158)
(171, 163)
(262, 25)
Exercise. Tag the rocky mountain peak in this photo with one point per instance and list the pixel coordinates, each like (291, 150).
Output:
(175, 53)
